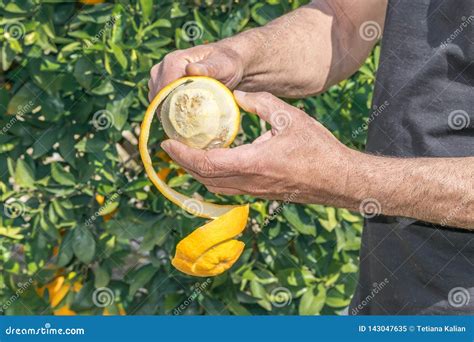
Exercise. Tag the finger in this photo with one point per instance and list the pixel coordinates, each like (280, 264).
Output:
(170, 69)
(151, 86)
(216, 66)
(276, 112)
(213, 163)
(264, 137)
(224, 191)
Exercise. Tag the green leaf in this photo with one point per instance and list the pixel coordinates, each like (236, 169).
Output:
(155, 236)
(120, 110)
(263, 13)
(147, 8)
(62, 176)
(24, 99)
(140, 278)
(84, 72)
(119, 55)
(101, 277)
(337, 300)
(311, 303)
(65, 253)
(83, 244)
(331, 221)
(298, 220)
(44, 143)
(24, 175)
(109, 207)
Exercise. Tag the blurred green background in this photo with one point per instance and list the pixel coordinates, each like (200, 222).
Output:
(83, 231)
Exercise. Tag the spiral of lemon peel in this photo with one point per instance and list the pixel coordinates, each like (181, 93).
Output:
(210, 249)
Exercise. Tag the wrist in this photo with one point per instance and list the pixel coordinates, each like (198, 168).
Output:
(357, 185)
(247, 48)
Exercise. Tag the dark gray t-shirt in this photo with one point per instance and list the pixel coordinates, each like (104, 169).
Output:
(425, 99)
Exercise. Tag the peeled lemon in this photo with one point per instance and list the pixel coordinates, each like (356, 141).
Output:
(201, 113)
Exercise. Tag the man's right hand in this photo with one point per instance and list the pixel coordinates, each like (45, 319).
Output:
(214, 60)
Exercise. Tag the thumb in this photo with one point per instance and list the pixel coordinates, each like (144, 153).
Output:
(271, 109)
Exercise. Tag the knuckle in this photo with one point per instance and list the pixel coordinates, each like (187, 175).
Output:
(154, 70)
(205, 167)
(265, 96)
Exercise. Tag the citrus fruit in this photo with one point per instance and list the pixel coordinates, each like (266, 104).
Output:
(201, 113)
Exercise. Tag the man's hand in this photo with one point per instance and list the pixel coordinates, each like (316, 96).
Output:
(299, 157)
(296, 55)
(215, 60)
(302, 161)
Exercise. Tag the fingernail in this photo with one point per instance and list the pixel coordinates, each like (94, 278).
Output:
(165, 144)
(197, 69)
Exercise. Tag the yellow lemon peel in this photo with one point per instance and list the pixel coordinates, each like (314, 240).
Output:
(211, 249)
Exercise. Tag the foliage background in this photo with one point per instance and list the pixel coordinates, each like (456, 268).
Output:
(62, 63)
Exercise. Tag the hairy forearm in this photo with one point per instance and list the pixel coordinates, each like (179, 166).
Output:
(307, 50)
(437, 190)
